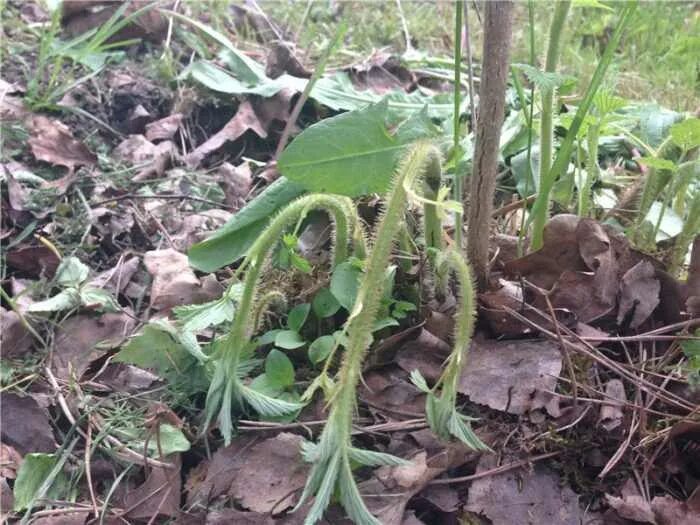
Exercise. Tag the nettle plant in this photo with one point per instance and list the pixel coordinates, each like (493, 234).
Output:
(333, 456)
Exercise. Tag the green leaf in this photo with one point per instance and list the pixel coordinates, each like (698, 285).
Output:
(658, 163)
(268, 337)
(68, 298)
(379, 324)
(370, 458)
(71, 272)
(321, 348)
(350, 154)
(297, 316)
(279, 369)
(299, 262)
(655, 123)
(686, 134)
(232, 240)
(172, 440)
(33, 472)
(543, 80)
(325, 304)
(156, 348)
(345, 284)
(268, 406)
(98, 299)
(289, 339)
(197, 317)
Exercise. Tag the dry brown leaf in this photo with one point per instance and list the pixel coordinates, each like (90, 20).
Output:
(159, 494)
(118, 278)
(153, 159)
(530, 498)
(239, 517)
(165, 128)
(281, 59)
(15, 339)
(84, 338)
(10, 461)
(611, 412)
(632, 507)
(33, 261)
(259, 476)
(25, 424)
(236, 181)
(174, 282)
(245, 119)
(53, 142)
(639, 294)
(505, 375)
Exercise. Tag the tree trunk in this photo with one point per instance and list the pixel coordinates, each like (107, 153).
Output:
(498, 18)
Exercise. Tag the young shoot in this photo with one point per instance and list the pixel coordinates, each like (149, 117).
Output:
(333, 455)
(441, 410)
(227, 388)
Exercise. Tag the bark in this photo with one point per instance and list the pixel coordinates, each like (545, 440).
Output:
(693, 285)
(498, 18)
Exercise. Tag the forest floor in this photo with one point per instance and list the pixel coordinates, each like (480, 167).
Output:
(116, 161)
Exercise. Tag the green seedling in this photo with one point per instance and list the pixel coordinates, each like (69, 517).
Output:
(333, 456)
(227, 388)
(441, 410)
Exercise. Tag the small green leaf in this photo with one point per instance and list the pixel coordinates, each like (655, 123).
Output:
(171, 438)
(321, 348)
(384, 323)
(279, 369)
(32, 474)
(68, 298)
(297, 316)
(686, 134)
(299, 262)
(325, 304)
(71, 272)
(98, 299)
(345, 284)
(268, 337)
(289, 339)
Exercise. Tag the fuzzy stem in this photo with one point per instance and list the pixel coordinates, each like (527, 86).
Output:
(592, 171)
(432, 223)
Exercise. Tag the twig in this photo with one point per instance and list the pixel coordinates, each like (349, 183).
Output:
(318, 72)
(88, 473)
(495, 471)
(130, 196)
(513, 206)
(404, 26)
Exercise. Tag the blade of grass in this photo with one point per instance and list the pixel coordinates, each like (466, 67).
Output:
(458, 188)
(540, 209)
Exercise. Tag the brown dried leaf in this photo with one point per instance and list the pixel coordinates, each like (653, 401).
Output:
(639, 294)
(505, 375)
(10, 460)
(84, 338)
(33, 261)
(25, 424)
(236, 181)
(611, 412)
(245, 119)
(15, 339)
(259, 476)
(159, 494)
(53, 142)
(153, 159)
(174, 282)
(536, 497)
(165, 128)
(281, 59)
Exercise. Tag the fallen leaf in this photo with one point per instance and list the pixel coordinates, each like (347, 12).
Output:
(15, 339)
(83, 338)
(239, 517)
(121, 377)
(611, 411)
(281, 59)
(174, 282)
(505, 375)
(33, 261)
(118, 278)
(388, 390)
(426, 354)
(258, 475)
(25, 424)
(10, 460)
(194, 228)
(165, 128)
(670, 511)
(159, 494)
(536, 497)
(12, 109)
(632, 507)
(53, 142)
(152, 159)
(245, 119)
(237, 182)
(639, 295)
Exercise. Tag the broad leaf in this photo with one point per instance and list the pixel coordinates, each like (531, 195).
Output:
(33, 472)
(289, 339)
(231, 241)
(325, 304)
(279, 369)
(345, 284)
(297, 316)
(686, 134)
(351, 154)
(71, 272)
(321, 348)
(68, 298)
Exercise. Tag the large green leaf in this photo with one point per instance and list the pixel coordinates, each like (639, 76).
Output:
(351, 154)
(33, 473)
(233, 239)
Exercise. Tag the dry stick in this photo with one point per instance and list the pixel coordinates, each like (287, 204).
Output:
(318, 72)
(563, 348)
(495, 471)
(591, 352)
(88, 473)
(494, 72)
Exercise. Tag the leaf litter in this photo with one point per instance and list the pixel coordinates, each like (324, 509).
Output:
(548, 372)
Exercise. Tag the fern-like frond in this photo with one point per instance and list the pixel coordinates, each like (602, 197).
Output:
(370, 458)
(266, 405)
